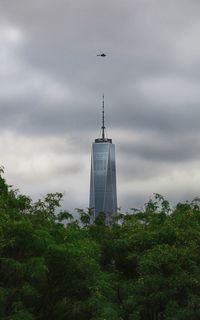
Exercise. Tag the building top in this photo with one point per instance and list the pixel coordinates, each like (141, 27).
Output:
(103, 139)
(100, 140)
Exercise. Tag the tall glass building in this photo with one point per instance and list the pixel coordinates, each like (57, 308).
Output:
(103, 193)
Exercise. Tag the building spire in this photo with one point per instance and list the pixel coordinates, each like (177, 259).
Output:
(103, 120)
(103, 136)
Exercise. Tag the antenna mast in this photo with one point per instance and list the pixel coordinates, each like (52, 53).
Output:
(103, 120)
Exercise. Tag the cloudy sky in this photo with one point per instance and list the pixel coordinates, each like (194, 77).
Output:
(52, 83)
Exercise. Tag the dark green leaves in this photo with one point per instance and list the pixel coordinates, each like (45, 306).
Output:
(143, 266)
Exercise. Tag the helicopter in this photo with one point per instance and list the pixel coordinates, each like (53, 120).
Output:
(102, 54)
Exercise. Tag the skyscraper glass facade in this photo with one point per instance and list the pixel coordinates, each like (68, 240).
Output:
(103, 194)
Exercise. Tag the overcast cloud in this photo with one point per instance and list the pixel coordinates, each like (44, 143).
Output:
(51, 88)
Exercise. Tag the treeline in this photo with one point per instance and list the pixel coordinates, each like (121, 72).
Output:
(145, 266)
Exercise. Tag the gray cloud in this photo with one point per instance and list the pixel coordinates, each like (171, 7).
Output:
(52, 82)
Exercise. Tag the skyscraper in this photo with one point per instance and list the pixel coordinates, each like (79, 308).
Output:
(103, 194)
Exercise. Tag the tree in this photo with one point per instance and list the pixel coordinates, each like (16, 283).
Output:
(143, 266)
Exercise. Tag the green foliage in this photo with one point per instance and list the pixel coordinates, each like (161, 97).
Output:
(143, 266)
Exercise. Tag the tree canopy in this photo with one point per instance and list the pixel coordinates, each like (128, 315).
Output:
(143, 266)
